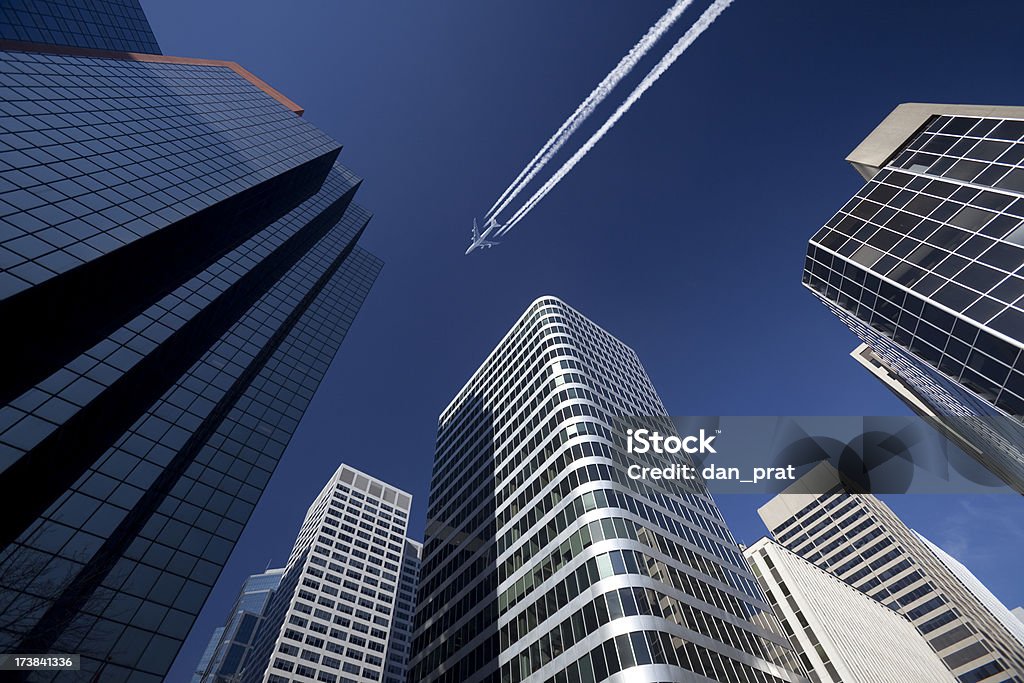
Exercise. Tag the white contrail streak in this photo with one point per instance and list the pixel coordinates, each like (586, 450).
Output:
(588, 105)
(705, 20)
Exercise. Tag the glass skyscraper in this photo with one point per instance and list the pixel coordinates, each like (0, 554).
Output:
(179, 264)
(116, 25)
(926, 265)
(857, 538)
(230, 644)
(544, 562)
(338, 607)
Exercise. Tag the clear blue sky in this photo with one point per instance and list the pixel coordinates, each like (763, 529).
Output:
(683, 232)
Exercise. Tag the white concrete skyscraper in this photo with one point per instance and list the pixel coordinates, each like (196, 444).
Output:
(860, 540)
(841, 635)
(332, 617)
(544, 562)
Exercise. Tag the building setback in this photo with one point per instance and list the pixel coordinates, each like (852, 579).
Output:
(924, 265)
(840, 634)
(179, 264)
(230, 644)
(857, 538)
(543, 561)
(334, 614)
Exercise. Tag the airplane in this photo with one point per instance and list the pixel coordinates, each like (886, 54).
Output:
(480, 240)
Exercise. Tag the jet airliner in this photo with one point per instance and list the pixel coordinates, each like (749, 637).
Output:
(480, 241)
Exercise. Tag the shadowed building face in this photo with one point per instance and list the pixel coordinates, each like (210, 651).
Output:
(180, 265)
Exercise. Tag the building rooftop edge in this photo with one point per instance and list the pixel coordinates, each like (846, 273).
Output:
(480, 367)
(905, 120)
(346, 466)
(45, 48)
(459, 394)
(798, 495)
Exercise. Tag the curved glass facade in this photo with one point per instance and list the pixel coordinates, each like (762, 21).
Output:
(544, 561)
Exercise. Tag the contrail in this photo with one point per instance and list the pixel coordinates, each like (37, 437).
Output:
(701, 25)
(587, 107)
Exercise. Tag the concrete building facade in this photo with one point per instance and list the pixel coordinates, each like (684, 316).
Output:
(840, 634)
(857, 538)
(332, 618)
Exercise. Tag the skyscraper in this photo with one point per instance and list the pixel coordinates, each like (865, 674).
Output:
(334, 615)
(841, 635)
(400, 640)
(544, 561)
(894, 382)
(231, 644)
(987, 601)
(204, 660)
(178, 266)
(924, 265)
(116, 25)
(861, 541)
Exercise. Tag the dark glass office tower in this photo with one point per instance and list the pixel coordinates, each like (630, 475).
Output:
(400, 643)
(545, 562)
(926, 265)
(178, 267)
(118, 25)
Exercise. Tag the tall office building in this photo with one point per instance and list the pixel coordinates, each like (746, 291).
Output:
(543, 561)
(333, 617)
(400, 641)
(1019, 613)
(231, 644)
(925, 264)
(178, 267)
(204, 660)
(891, 378)
(840, 634)
(984, 596)
(116, 25)
(860, 540)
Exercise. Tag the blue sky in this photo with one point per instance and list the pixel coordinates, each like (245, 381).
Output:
(683, 232)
